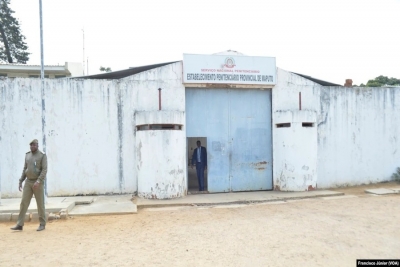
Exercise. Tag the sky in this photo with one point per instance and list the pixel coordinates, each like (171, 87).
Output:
(328, 40)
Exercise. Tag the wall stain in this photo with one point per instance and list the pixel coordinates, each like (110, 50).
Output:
(120, 140)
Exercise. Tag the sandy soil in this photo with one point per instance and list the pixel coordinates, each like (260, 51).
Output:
(311, 232)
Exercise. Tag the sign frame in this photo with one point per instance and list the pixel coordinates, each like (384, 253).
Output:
(228, 70)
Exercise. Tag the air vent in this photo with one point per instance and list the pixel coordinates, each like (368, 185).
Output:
(147, 127)
(283, 125)
(307, 124)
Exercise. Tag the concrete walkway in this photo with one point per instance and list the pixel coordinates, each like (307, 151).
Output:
(233, 198)
(71, 206)
(62, 207)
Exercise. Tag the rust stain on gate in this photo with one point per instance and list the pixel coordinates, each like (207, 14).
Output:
(262, 165)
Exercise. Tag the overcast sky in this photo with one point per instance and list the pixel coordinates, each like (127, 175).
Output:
(328, 40)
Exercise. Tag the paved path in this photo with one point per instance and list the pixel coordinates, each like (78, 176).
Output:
(126, 204)
(234, 198)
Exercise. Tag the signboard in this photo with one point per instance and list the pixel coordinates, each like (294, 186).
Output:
(229, 69)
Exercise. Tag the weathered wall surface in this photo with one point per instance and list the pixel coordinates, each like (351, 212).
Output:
(93, 146)
(161, 154)
(161, 166)
(89, 134)
(90, 130)
(20, 122)
(358, 135)
(295, 147)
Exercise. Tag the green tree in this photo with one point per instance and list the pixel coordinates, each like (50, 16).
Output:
(108, 69)
(13, 48)
(382, 81)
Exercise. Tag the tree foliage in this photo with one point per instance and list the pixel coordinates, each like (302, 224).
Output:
(108, 69)
(382, 81)
(13, 48)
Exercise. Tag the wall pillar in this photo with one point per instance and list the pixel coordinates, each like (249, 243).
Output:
(295, 150)
(161, 154)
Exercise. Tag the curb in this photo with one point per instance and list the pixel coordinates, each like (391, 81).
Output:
(235, 202)
(5, 217)
(34, 216)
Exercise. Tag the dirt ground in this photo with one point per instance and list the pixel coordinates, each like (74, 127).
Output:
(312, 232)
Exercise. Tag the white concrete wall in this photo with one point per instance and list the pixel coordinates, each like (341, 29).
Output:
(168, 78)
(93, 146)
(160, 117)
(295, 156)
(89, 134)
(358, 135)
(161, 154)
(90, 129)
(20, 122)
(295, 148)
(161, 166)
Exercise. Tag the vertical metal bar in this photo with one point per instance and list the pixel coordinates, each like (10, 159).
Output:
(42, 90)
(41, 42)
(159, 98)
(299, 100)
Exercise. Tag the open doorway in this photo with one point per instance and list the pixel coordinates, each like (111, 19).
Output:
(193, 184)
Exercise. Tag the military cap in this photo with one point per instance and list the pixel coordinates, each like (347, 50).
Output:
(34, 141)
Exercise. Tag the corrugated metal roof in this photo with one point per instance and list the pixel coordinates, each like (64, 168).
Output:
(321, 82)
(124, 73)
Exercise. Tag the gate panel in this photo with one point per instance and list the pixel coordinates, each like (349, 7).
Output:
(237, 124)
(250, 128)
(207, 115)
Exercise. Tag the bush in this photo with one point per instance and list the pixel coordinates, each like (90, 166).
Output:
(396, 175)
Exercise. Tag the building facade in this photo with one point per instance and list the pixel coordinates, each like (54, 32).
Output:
(134, 131)
(70, 69)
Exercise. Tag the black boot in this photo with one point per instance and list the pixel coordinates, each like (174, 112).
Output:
(17, 228)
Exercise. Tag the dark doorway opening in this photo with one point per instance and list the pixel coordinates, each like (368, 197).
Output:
(193, 184)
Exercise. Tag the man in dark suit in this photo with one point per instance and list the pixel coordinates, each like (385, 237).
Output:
(199, 159)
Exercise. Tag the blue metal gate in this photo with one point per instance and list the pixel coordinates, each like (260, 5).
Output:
(237, 124)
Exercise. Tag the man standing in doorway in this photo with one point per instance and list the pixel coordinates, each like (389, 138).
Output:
(35, 170)
(199, 159)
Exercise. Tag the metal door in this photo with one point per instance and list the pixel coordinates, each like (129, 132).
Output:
(250, 133)
(207, 115)
(237, 124)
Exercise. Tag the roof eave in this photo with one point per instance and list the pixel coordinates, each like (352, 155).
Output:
(124, 73)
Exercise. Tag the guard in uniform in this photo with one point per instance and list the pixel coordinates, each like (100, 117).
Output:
(34, 175)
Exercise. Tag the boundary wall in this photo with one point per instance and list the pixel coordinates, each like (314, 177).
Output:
(350, 135)
(90, 129)
(358, 135)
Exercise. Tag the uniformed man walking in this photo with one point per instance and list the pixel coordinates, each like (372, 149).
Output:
(35, 170)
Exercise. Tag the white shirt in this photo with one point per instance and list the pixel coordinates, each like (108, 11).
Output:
(199, 154)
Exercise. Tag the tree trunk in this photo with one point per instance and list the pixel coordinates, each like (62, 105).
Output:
(3, 35)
